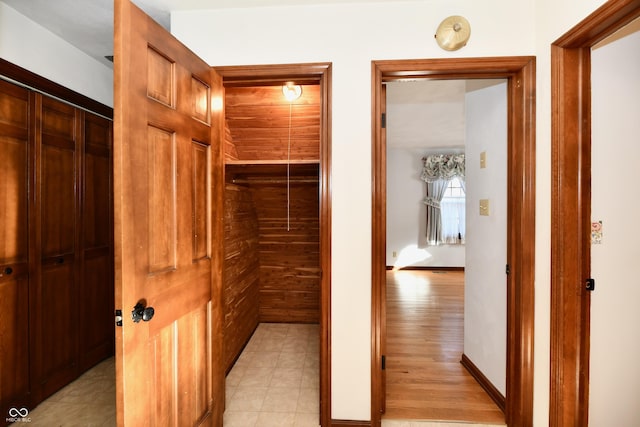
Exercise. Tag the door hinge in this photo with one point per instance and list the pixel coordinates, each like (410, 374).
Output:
(118, 317)
(383, 120)
(590, 284)
(507, 270)
(384, 362)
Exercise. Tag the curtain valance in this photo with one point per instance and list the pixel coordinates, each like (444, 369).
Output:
(442, 166)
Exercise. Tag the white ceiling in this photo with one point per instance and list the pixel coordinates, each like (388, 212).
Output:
(420, 113)
(426, 113)
(88, 24)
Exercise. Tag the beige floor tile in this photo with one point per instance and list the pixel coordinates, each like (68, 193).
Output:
(256, 377)
(306, 420)
(276, 419)
(291, 360)
(248, 399)
(281, 399)
(308, 402)
(265, 359)
(240, 419)
(286, 377)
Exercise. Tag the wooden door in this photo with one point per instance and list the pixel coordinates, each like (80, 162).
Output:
(168, 228)
(97, 332)
(14, 248)
(53, 298)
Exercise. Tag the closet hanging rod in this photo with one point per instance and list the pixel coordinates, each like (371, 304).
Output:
(275, 181)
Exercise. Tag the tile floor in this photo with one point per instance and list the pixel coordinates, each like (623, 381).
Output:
(88, 401)
(274, 382)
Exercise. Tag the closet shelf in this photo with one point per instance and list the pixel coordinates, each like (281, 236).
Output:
(238, 172)
(271, 162)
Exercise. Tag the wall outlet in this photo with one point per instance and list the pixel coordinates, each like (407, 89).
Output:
(395, 254)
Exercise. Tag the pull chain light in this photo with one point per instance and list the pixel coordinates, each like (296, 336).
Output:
(289, 170)
(291, 92)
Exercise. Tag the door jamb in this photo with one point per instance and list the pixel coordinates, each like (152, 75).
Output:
(571, 209)
(307, 73)
(520, 73)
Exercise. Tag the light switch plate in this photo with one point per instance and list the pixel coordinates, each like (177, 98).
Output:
(484, 207)
(483, 160)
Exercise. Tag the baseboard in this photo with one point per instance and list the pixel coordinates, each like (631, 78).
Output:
(484, 382)
(347, 423)
(418, 267)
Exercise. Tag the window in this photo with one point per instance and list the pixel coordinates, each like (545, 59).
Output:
(453, 213)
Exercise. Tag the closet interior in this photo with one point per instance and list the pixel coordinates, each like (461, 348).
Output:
(271, 213)
(56, 243)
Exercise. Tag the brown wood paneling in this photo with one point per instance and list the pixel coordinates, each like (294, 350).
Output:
(241, 271)
(14, 247)
(258, 120)
(289, 251)
(230, 152)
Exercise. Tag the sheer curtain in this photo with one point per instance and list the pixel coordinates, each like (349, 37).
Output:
(437, 171)
(453, 216)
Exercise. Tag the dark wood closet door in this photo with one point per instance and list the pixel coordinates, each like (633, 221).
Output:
(97, 335)
(55, 306)
(14, 248)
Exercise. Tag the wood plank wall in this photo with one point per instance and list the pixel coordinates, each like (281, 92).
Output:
(271, 274)
(241, 271)
(289, 260)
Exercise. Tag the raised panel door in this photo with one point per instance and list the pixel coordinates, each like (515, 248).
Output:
(97, 328)
(165, 157)
(55, 299)
(14, 248)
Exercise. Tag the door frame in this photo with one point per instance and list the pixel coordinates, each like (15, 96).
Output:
(305, 74)
(520, 74)
(571, 209)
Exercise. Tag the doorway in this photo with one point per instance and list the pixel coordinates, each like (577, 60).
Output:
(520, 74)
(571, 209)
(431, 123)
(316, 77)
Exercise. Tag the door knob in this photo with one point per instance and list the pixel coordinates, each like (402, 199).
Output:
(142, 312)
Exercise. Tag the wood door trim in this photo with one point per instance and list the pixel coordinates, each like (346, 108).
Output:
(571, 209)
(520, 72)
(321, 73)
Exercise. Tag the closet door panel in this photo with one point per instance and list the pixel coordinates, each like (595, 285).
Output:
(97, 249)
(14, 247)
(56, 301)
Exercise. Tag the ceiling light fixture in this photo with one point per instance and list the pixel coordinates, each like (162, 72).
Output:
(291, 91)
(453, 33)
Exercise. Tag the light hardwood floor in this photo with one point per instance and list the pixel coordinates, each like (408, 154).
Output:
(425, 380)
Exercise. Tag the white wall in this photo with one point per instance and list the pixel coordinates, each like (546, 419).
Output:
(615, 340)
(406, 215)
(485, 296)
(350, 36)
(30, 46)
